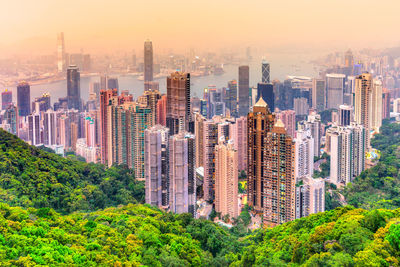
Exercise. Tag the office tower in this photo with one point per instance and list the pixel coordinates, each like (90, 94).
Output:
(74, 88)
(301, 106)
(238, 133)
(156, 162)
(103, 82)
(178, 102)
(244, 88)
(23, 99)
(376, 106)
(318, 94)
(182, 186)
(199, 133)
(345, 115)
(335, 84)
(148, 63)
(265, 74)
(310, 197)
(259, 122)
(362, 104)
(304, 154)
(347, 149)
(162, 110)
(266, 91)
(385, 104)
(226, 179)
(105, 97)
(278, 173)
(61, 59)
(348, 59)
(49, 127)
(43, 103)
(34, 129)
(210, 140)
(232, 103)
(6, 99)
(112, 83)
(288, 117)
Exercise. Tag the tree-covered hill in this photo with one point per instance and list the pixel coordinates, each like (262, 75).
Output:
(136, 235)
(31, 177)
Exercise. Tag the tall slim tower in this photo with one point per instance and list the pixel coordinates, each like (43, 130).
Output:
(362, 104)
(148, 64)
(259, 123)
(265, 78)
(244, 88)
(74, 88)
(178, 102)
(24, 99)
(61, 62)
(232, 102)
(226, 179)
(6, 99)
(304, 151)
(335, 85)
(318, 94)
(210, 140)
(105, 97)
(376, 105)
(279, 181)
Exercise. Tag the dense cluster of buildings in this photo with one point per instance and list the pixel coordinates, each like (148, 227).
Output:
(188, 149)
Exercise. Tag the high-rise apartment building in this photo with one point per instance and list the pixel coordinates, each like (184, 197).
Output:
(279, 180)
(304, 154)
(74, 88)
(162, 110)
(265, 72)
(259, 122)
(318, 94)
(226, 179)
(310, 197)
(244, 87)
(210, 140)
(376, 106)
(178, 102)
(385, 104)
(232, 104)
(148, 63)
(150, 99)
(335, 85)
(34, 125)
(24, 99)
(362, 104)
(105, 97)
(182, 186)
(6, 99)
(346, 115)
(288, 117)
(238, 133)
(199, 133)
(314, 124)
(49, 128)
(156, 162)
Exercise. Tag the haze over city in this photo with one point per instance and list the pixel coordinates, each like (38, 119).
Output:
(97, 26)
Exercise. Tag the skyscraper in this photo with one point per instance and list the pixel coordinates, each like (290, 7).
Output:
(226, 179)
(162, 110)
(74, 88)
(182, 187)
(198, 133)
(362, 104)
(310, 197)
(244, 88)
(24, 99)
(266, 91)
(265, 74)
(6, 99)
(148, 63)
(279, 181)
(178, 102)
(232, 103)
(61, 59)
(112, 83)
(314, 124)
(34, 129)
(49, 127)
(318, 94)
(210, 140)
(376, 105)
(288, 117)
(345, 115)
(105, 97)
(335, 84)
(304, 154)
(156, 162)
(259, 123)
(385, 104)
(238, 133)
(348, 59)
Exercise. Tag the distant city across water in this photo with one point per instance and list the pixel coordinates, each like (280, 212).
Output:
(280, 69)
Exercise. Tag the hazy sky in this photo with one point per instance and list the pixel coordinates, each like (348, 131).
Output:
(92, 25)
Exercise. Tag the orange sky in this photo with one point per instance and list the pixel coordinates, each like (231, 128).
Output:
(94, 25)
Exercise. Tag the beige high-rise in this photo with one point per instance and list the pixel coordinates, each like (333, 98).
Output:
(362, 103)
(226, 179)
